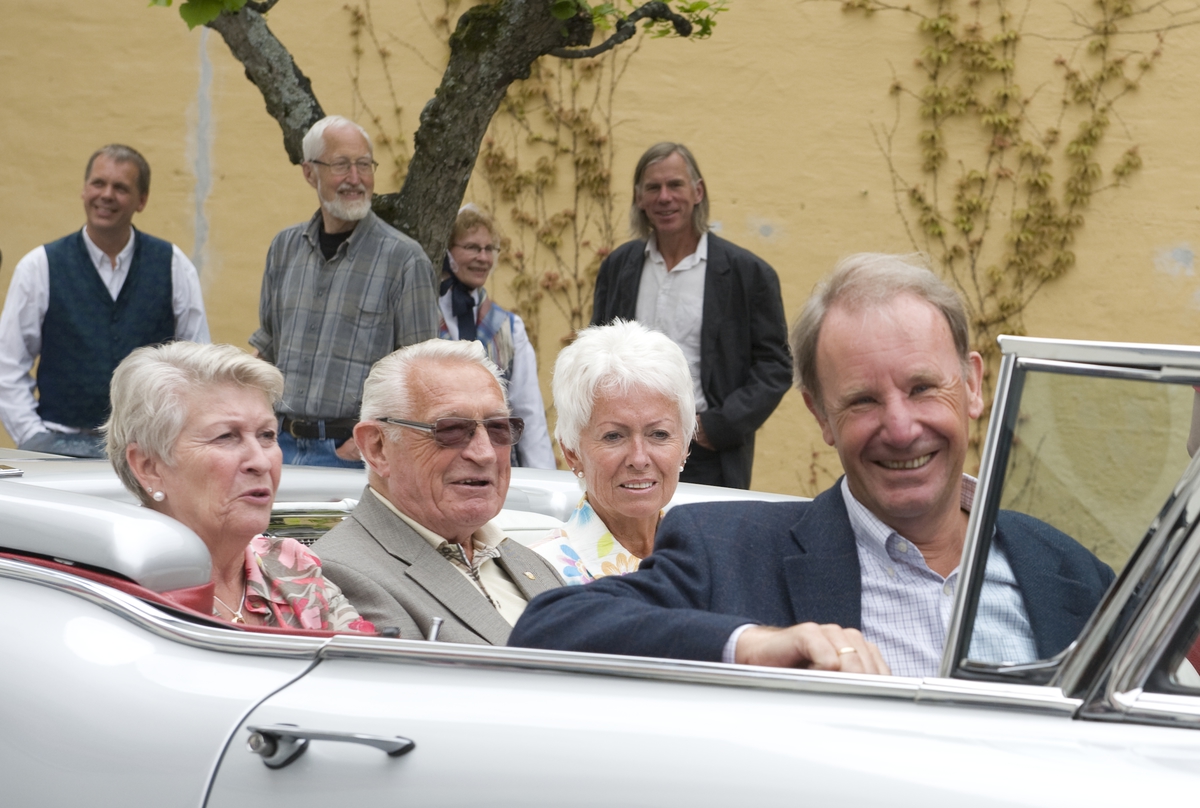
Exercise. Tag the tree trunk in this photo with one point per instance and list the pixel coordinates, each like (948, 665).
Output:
(270, 67)
(493, 45)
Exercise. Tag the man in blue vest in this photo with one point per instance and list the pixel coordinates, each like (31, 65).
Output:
(83, 303)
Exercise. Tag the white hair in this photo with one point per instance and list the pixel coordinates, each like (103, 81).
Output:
(313, 144)
(617, 358)
(386, 390)
(149, 392)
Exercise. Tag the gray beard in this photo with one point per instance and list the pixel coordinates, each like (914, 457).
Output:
(347, 211)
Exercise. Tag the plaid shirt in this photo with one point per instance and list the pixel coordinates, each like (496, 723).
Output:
(324, 323)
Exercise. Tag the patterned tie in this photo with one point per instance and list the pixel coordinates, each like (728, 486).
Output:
(455, 555)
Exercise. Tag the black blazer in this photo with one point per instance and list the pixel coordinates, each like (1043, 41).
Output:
(719, 565)
(745, 366)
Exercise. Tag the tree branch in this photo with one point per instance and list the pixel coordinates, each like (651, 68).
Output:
(263, 7)
(288, 92)
(627, 27)
(493, 45)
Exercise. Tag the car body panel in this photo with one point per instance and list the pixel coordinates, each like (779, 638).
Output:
(111, 700)
(98, 711)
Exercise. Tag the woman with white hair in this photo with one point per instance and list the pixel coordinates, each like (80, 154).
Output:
(626, 413)
(193, 435)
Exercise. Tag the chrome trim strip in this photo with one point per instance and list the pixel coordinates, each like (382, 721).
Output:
(673, 670)
(954, 634)
(1165, 707)
(1102, 353)
(163, 624)
(998, 694)
(1162, 375)
(341, 506)
(933, 691)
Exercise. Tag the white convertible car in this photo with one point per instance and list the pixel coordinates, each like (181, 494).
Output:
(113, 693)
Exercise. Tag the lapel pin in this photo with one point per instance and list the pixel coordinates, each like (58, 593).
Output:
(530, 576)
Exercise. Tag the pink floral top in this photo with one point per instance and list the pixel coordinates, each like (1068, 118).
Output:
(284, 586)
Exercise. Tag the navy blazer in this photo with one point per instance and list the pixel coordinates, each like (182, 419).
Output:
(719, 565)
(745, 365)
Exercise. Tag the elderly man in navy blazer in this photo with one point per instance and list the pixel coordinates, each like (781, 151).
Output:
(720, 303)
(861, 578)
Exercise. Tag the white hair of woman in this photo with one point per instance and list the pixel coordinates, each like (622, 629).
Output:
(617, 358)
(149, 391)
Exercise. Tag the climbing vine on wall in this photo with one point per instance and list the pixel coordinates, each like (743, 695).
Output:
(547, 164)
(1006, 173)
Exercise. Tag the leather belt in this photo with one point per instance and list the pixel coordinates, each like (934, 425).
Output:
(328, 429)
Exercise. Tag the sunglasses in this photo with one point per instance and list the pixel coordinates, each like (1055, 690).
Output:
(454, 432)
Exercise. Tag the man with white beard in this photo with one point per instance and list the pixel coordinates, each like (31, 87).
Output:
(340, 292)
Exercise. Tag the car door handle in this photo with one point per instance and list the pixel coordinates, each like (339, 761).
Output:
(280, 744)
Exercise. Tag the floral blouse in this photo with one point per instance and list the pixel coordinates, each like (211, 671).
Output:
(284, 585)
(583, 549)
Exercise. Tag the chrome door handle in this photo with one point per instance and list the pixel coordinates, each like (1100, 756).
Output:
(280, 744)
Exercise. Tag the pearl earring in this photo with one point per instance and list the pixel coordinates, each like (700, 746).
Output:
(579, 474)
(157, 496)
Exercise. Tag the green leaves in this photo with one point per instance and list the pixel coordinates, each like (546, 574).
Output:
(564, 9)
(200, 12)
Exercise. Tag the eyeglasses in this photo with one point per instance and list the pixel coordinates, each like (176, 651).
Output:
(476, 249)
(341, 168)
(454, 432)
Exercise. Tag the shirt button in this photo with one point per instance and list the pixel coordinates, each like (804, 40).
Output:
(948, 589)
(902, 546)
(891, 572)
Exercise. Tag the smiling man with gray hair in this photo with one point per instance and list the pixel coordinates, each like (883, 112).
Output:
(339, 292)
(435, 433)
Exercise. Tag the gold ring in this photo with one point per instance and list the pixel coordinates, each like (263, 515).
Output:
(849, 649)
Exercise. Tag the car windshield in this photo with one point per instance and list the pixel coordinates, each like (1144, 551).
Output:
(1092, 452)
(1097, 457)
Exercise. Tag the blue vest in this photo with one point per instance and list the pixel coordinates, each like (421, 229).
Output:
(86, 333)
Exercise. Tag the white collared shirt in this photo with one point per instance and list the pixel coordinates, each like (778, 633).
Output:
(25, 310)
(672, 301)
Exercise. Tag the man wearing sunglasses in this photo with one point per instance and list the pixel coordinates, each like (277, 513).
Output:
(340, 291)
(436, 435)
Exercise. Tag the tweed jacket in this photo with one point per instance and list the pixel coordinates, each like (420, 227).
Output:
(393, 577)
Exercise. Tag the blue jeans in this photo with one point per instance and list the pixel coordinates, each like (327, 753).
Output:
(65, 443)
(313, 452)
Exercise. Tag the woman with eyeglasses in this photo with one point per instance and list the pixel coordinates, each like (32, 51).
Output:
(192, 435)
(626, 413)
(468, 313)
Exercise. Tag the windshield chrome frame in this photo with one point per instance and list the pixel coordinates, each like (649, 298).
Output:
(1074, 670)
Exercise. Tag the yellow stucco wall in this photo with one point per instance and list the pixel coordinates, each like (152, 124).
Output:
(778, 107)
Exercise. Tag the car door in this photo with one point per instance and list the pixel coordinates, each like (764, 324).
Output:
(106, 701)
(1092, 438)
